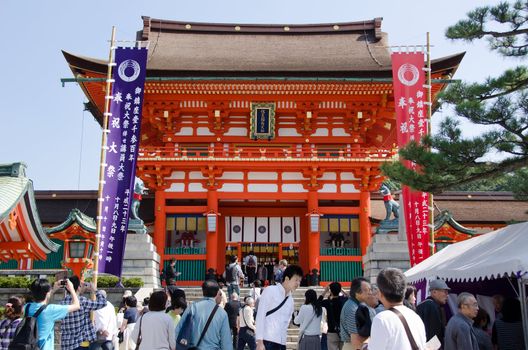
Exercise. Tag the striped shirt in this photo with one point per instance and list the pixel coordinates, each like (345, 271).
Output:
(77, 326)
(7, 332)
(348, 320)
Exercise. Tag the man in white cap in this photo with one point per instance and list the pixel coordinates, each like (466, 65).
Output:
(432, 311)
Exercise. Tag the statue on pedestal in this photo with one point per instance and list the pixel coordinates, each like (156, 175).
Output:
(135, 223)
(392, 208)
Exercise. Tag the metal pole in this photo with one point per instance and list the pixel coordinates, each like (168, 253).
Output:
(429, 122)
(102, 167)
(522, 296)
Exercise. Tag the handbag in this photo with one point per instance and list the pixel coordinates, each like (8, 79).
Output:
(183, 340)
(184, 337)
(249, 331)
(120, 337)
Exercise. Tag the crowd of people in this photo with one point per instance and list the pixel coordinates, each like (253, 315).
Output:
(378, 316)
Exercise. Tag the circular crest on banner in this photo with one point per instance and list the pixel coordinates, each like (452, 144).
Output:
(237, 229)
(406, 70)
(262, 229)
(124, 68)
(287, 229)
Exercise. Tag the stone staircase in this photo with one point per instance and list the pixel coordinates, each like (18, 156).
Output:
(195, 293)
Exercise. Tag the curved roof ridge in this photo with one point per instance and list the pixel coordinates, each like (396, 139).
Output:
(76, 216)
(164, 25)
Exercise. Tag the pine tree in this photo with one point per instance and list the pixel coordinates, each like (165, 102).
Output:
(447, 159)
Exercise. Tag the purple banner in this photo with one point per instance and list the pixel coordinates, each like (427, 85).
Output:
(124, 124)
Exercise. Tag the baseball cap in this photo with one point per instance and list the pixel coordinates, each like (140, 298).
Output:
(438, 284)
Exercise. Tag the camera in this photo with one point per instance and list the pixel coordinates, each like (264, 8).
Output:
(63, 282)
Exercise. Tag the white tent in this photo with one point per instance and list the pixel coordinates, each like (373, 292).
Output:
(491, 255)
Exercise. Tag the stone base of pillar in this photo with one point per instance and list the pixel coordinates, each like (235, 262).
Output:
(385, 250)
(141, 260)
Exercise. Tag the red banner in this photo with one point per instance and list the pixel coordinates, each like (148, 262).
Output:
(411, 119)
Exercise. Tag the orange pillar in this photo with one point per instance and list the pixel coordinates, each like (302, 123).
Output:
(314, 238)
(364, 221)
(303, 244)
(160, 224)
(221, 244)
(211, 242)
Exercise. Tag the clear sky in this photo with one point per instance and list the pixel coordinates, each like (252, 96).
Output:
(43, 123)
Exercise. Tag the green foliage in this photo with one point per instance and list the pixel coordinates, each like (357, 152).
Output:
(111, 282)
(134, 282)
(448, 160)
(14, 282)
(504, 25)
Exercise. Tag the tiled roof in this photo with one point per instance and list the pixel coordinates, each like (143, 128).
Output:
(75, 217)
(17, 190)
(471, 207)
(352, 49)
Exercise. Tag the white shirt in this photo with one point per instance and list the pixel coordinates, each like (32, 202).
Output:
(157, 331)
(255, 293)
(105, 320)
(388, 333)
(246, 314)
(309, 323)
(274, 327)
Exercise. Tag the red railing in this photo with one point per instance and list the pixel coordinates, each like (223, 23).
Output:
(234, 153)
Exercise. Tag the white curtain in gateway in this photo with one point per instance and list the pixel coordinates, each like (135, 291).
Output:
(262, 229)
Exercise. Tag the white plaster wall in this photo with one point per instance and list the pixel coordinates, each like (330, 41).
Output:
(293, 176)
(348, 188)
(347, 176)
(262, 175)
(232, 175)
(329, 176)
(231, 187)
(196, 187)
(321, 132)
(176, 187)
(196, 175)
(237, 132)
(202, 131)
(185, 131)
(295, 188)
(179, 175)
(262, 188)
(328, 188)
(288, 132)
(339, 132)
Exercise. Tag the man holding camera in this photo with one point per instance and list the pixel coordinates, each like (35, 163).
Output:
(41, 292)
(77, 329)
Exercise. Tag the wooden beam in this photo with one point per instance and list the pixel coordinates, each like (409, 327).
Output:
(18, 245)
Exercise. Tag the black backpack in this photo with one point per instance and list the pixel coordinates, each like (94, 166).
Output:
(26, 334)
(231, 273)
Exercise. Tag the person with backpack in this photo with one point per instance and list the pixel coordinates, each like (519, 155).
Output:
(233, 274)
(251, 262)
(36, 330)
(280, 270)
(13, 317)
(275, 310)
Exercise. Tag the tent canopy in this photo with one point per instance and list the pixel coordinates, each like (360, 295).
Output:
(490, 255)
